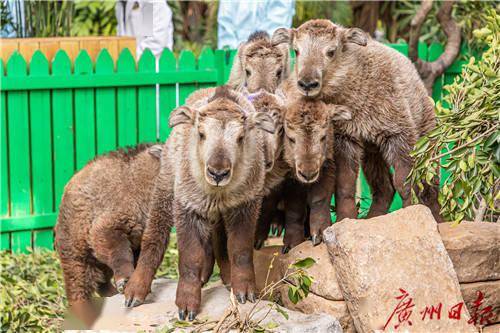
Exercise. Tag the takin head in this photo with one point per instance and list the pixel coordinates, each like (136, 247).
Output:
(309, 136)
(259, 64)
(222, 134)
(322, 50)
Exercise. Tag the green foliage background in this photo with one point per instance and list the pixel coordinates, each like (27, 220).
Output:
(468, 128)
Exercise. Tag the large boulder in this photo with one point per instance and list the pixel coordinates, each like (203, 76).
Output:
(490, 291)
(474, 249)
(267, 266)
(160, 311)
(387, 262)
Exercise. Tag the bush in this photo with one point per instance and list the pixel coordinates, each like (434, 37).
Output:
(467, 138)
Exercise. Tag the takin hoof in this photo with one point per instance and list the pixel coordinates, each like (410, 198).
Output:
(132, 302)
(285, 249)
(120, 285)
(316, 240)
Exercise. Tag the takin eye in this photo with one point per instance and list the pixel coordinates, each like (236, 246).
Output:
(247, 71)
(292, 140)
(201, 135)
(296, 50)
(323, 138)
(330, 53)
(240, 139)
(278, 73)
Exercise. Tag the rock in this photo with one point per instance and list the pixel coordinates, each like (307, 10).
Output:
(261, 262)
(325, 282)
(491, 294)
(160, 311)
(491, 329)
(315, 304)
(474, 249)
(398, 254)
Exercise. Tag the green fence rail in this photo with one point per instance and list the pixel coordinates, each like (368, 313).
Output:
(57, 116)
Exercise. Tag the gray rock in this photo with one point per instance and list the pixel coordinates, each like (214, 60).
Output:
(474, 249)
(375, 258)
(160, 311)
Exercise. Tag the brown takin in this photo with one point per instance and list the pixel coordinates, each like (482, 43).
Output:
(101, 219)
(389, 104)
(258, 64)
(274, 105)
(309, 151)
(210, 183)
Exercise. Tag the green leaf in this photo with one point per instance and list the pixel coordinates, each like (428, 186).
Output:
(293, 295)
(304, 263)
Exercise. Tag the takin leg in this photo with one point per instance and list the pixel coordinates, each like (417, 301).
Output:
(378, 176)
(295, 198)
(429, 197)
(112, 247)
(240, 225)
(267, 215)
(193, 237)
(396, 152)
(153, 244)
(219, 243)
(319, 198)
(347, 158)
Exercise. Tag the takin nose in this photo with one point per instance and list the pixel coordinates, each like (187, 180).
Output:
(307, 172)
(218, 168)
(308, 85)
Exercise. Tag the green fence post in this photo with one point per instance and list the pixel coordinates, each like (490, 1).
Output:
(85, 145)
(105, 107)
(186, 61)
(127, 103)
(19, 150)
(41, 150)
(168, 92)
(4, 174)
(63, 127)
(147, 100)
(206, 61)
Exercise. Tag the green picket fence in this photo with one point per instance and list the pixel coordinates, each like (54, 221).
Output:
(57, 116)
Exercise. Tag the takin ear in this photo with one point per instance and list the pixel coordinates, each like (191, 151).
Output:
(281, 36)
(181, 115)
(237, 76)
(355, 36)
(263, 121)
(339, 112)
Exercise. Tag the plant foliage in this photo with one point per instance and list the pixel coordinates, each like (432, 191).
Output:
(467, 138)
(94, 18)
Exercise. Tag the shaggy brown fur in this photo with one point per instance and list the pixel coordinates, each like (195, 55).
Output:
(102, 216)
(271, 218)
(210, 186)
(389, 103)
(259, 64)
(309, 152)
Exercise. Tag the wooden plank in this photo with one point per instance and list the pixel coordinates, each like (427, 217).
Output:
(85, 141)
(168, 92)
(49, 48)
(63, 128)
(7, 48)
(4, 241)
(111, 45)
(18, 138)
(91, 46)
(43, 239)
(4, 166)
(28, 49)
(71, 47)
(28, 222)
(127, 43)
(147, 100)
(41, 140)
(21, 241)
(105, 107)
(206, 61)
(187, 61)
(127, 103)
(114, 80)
